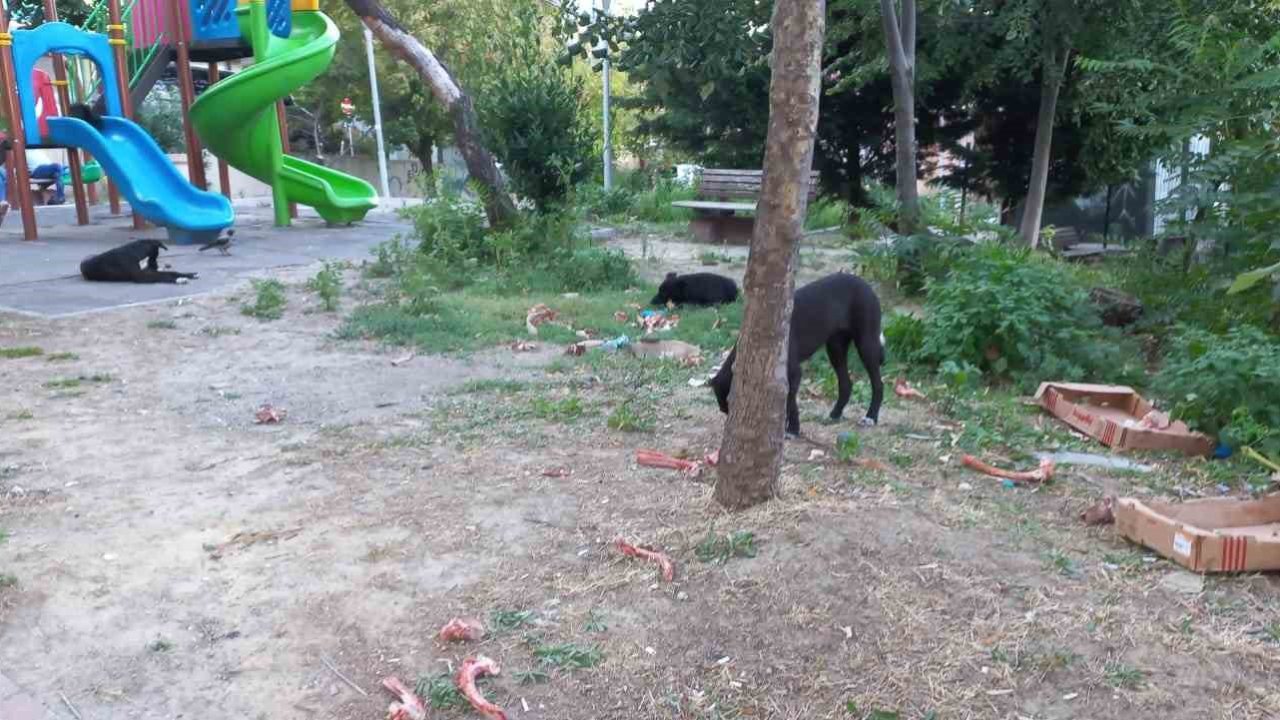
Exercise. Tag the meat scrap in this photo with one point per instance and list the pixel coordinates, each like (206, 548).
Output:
(557, 472)
(539, 314)
(903, 389)
(655, 459)
(471, 669)
(1155, 420)
(712, 458)
(268, 415)
(409, 707)
(523, 346)
(462, 630)
(1041, 474)
(664, 562)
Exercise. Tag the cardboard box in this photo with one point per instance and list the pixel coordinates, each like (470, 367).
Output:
(1111, 414)
(1212, 535)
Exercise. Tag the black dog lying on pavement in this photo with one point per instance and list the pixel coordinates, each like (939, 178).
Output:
(124, 264)
(835, 311)
(696, 289)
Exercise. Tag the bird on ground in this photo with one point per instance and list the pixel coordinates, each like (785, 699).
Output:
(222, 244)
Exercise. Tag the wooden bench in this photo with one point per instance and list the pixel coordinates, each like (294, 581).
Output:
(725, 209)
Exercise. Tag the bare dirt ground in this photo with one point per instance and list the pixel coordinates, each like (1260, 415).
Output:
(170, 558)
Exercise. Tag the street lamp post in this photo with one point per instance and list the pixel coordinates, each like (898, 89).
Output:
(608, 138)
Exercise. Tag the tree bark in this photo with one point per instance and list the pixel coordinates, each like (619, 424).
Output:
(751, 452)
(498, 205)
(900, 39)
(1055, 68)
(424, 150)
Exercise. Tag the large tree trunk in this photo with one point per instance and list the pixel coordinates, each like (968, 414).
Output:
(1055, 68)
(751, 453)
(424, 150)
(466, 130)
(900, 38)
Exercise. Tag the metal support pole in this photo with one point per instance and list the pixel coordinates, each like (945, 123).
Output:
(186, 87)
(224, 174)
(115, 31)
(377, 112)
(608, 136)
(64, 99)
(21, 181)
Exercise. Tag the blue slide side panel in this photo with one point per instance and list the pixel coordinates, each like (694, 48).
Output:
(30, 45)
(154, 187)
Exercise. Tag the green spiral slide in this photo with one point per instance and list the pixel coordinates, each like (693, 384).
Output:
(236, 118)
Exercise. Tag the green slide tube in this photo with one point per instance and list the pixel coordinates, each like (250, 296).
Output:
(236, 118)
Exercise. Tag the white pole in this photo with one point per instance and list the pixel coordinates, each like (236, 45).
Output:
(608, 141)
(377, 112)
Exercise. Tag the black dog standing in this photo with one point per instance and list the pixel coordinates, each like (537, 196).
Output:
(696, 289)
(836, 311)
(124, 264)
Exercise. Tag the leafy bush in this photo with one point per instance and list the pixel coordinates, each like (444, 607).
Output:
(268, 300)
(533, 120)
(827, 212)
(328, 285)
(654, 205)
(450, 229)
(596, 202)
(1223, 382)
(903, 337)
(1013, 315)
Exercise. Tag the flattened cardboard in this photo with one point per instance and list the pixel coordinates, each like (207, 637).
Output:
(1110, 414)
(1209, 536)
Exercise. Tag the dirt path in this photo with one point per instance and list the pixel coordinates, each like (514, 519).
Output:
(174, 558)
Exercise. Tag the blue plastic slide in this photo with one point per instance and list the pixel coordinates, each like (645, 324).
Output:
(154, 187)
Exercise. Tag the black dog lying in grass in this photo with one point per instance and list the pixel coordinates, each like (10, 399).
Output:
(835, 311)
(124, 264)
(696, 289)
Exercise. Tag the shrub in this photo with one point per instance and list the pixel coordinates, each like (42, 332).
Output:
(903, 337)
(1013, 315)
(826, 212)
(328, 285)
(1223, 382)
(654, 205)
(597, 203)
(450, 229)
(533, 121)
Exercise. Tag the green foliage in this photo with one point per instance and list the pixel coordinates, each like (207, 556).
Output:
(327, 283)
(848, 445)
(162, 325)
(161, 116)
(268, 300)
(568, 656)
(629, 418)
(904, 337)
(534, 121)
(827, 212)
(508, 620)
(440, 692)
(720, 549)
(22, 351)
(448, 229)
(1229, 381)
(62, 357)
(562, 411)
(1016, 316)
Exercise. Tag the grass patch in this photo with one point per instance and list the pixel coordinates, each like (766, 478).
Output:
(440, 692)
(23, 414)
(531, 677)
(509, 620)
(562, 411)
(219, 330)
(268, 301)
(75, 382)
(26, 351)
(568, 656)
(8, 580)
(479, 387)
(159, 645)
(628, 418)
(720, 549)
(162, 325)
(327, 284)
(1120, 675)
(62, 357)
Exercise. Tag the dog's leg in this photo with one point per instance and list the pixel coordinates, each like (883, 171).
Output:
(793, 389)
(838, 354)
(871, 352)
(152, 258)
(162, 276)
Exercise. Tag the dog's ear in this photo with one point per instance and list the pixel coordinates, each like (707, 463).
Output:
(671, 276)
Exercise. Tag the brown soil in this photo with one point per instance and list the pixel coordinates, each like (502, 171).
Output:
(172, 558)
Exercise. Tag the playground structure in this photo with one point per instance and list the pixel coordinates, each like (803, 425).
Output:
(114, 60)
